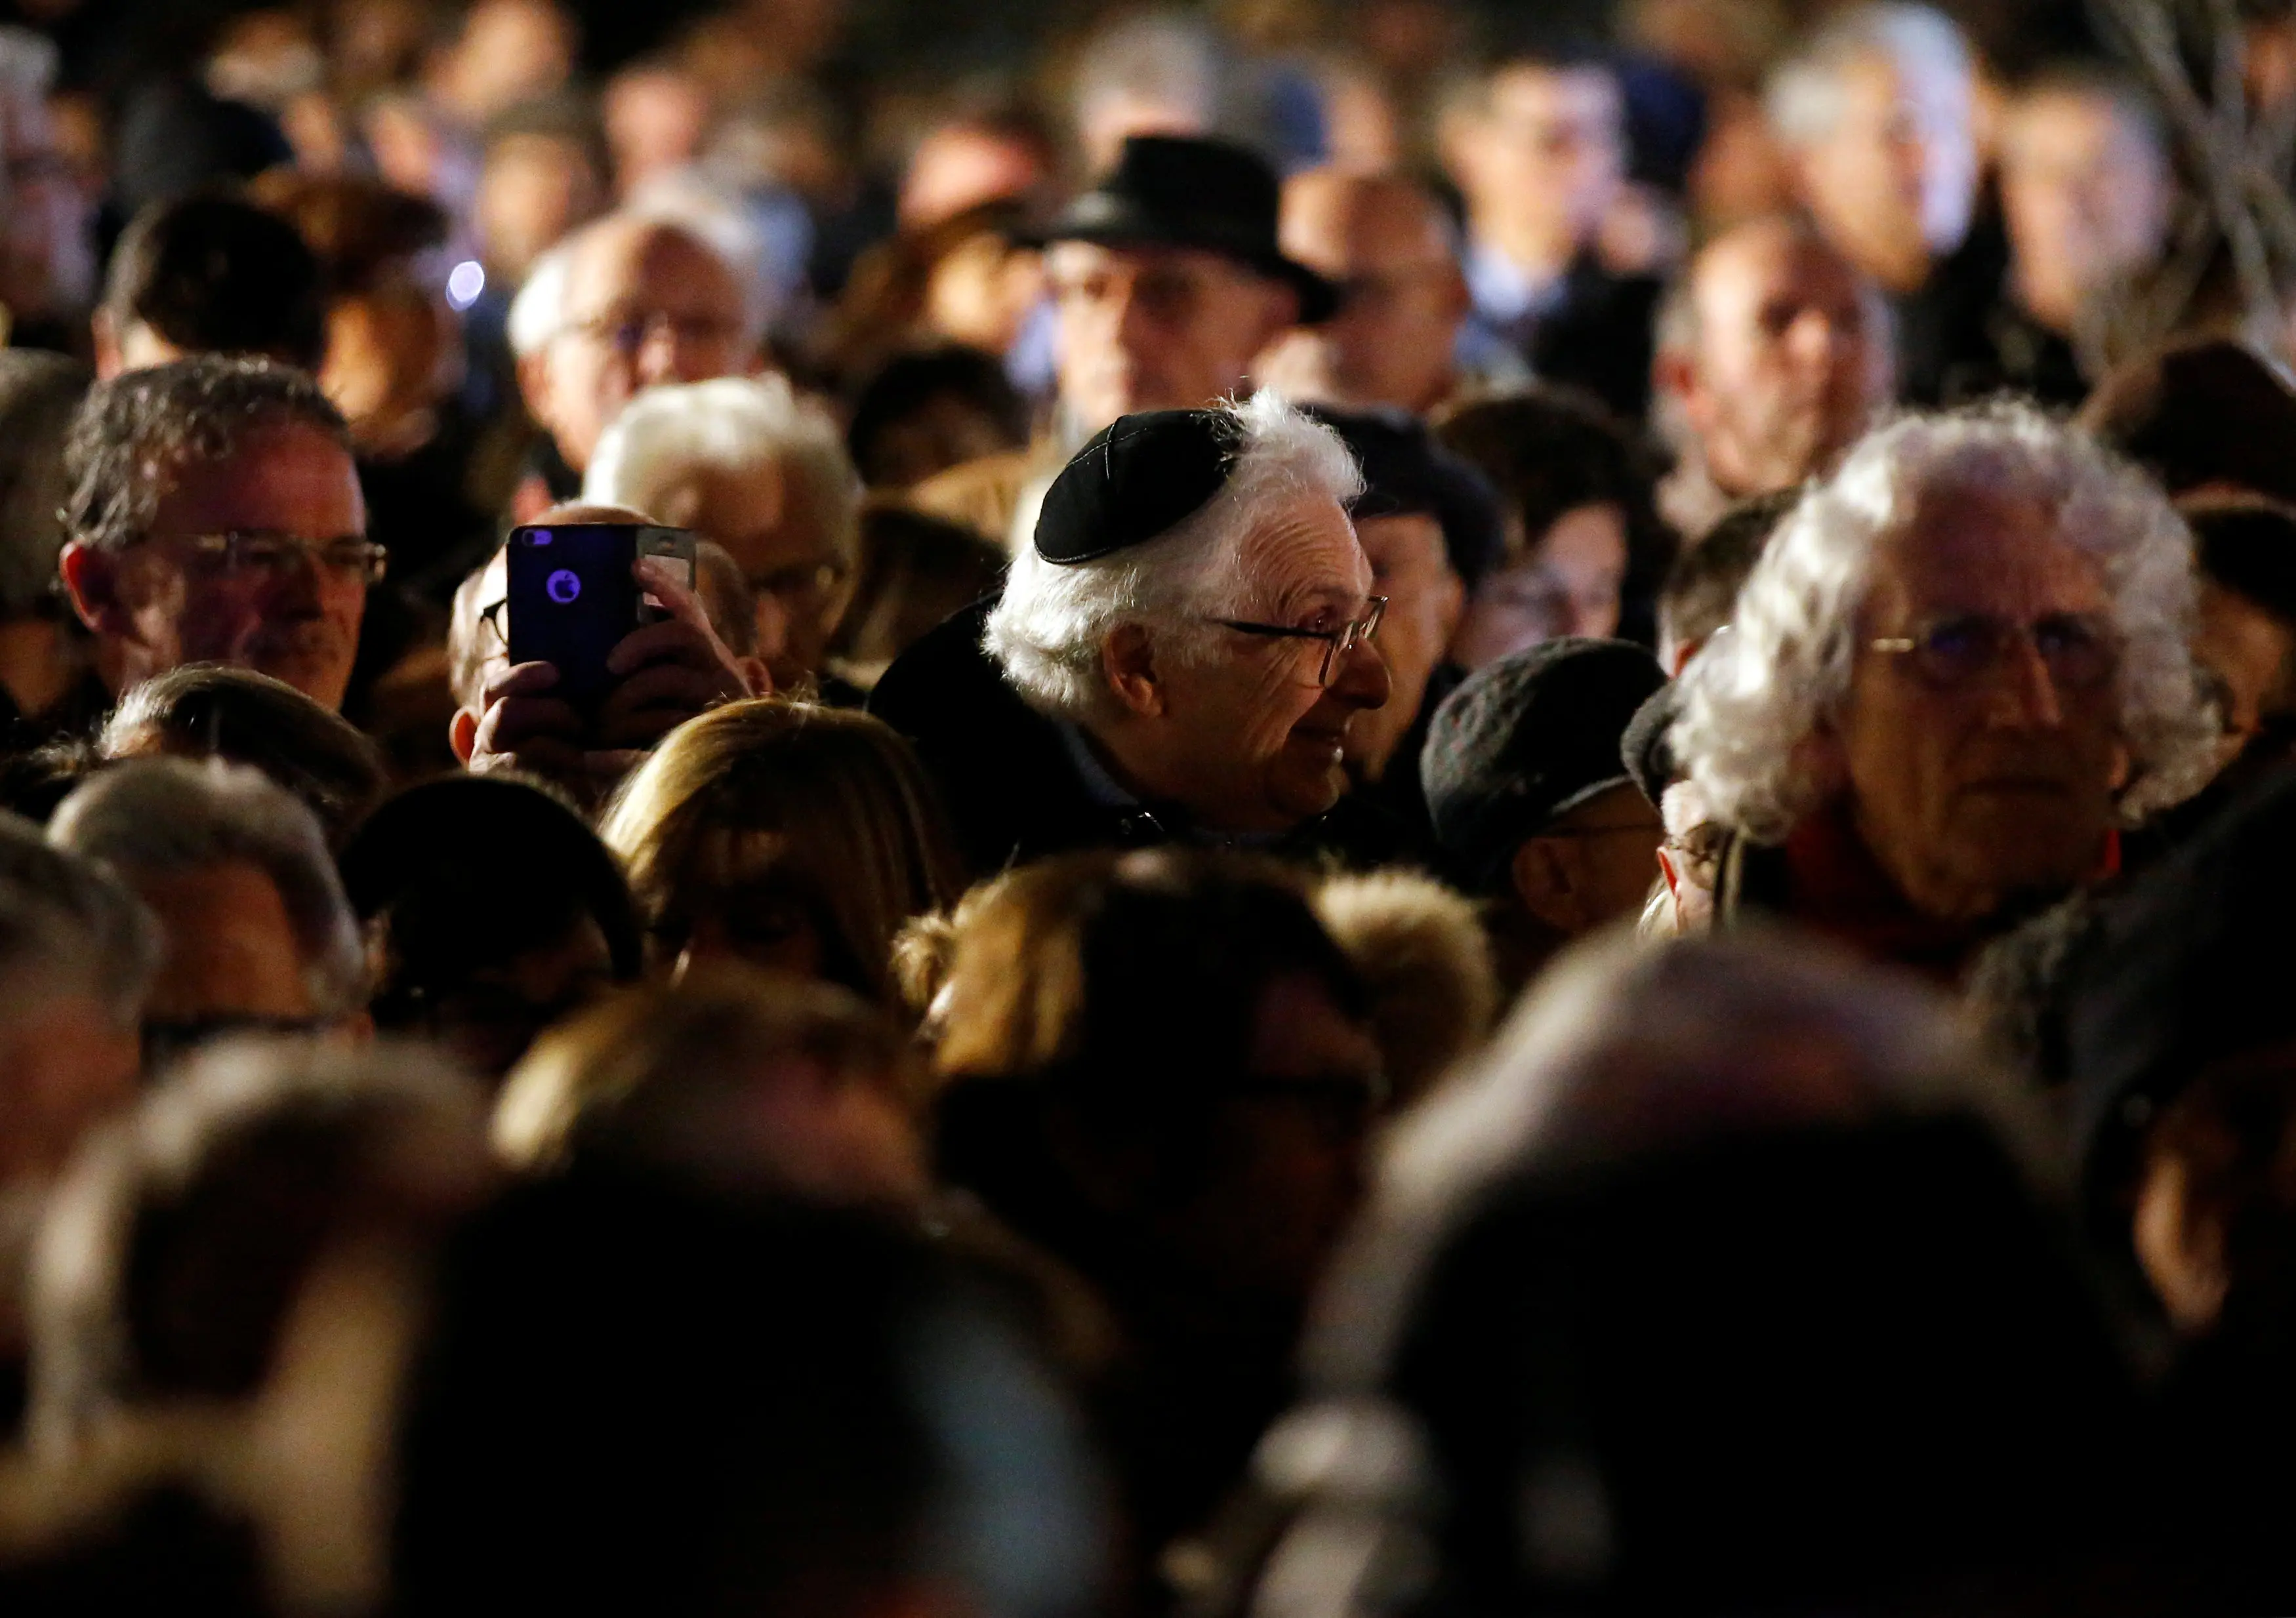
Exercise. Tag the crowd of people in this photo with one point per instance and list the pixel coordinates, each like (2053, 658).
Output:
(1410, 808)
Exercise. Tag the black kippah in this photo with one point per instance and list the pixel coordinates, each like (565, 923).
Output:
(1141, 476)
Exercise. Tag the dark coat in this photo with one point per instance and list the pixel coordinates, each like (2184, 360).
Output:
(1012, 786)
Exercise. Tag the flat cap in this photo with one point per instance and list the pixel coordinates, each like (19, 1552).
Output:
(1525, 740)
(1139, 476)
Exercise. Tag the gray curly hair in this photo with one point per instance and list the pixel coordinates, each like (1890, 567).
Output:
(1047, 628)
(1753, 696)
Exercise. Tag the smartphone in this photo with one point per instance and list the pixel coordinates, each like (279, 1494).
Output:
(572, 595)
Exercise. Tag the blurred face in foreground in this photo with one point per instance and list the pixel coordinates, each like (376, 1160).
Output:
(1792, 361)
(1287, 1158)
(1157, 328)
(1980, 743)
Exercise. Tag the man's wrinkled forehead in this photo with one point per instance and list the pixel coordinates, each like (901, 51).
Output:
(1303, 551)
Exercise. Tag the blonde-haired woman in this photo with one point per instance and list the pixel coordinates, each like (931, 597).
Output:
(786, 835)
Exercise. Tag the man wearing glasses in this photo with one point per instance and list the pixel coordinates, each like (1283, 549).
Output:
(1180, 655)
(1960, 666)
(627, 302)
(214, 516)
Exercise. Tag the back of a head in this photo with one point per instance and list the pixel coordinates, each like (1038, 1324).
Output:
(1076, 968)
(172, 1254)
(206, 710)
(67, 925)
(470, 871)
(38, 395)
(214, 274)
(651, 455)
(641, 1398)
(829, 801)
(1804, 1332)
(1793, 1372)
(649, 1078)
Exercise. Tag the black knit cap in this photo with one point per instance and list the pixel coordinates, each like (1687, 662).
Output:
(1525, 740)
(1407, 469)
(1139, 476)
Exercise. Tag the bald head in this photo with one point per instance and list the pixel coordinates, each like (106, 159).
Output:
(1388, 244)
(1775, 355)
(646, 301)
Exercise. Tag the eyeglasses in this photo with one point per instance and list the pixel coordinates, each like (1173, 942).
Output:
(245, 553)
(627, 333)
(2081, 652)
(1337, 642)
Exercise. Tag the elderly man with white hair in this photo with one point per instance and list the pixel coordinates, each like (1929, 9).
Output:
(1179, 654)
(1958, 668)
(745, 462)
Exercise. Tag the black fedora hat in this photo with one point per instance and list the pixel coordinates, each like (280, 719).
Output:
(1183, 190)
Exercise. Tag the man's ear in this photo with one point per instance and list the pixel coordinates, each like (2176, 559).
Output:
(1546, 880)
(463, 734)
(1127, 662)
(92, 581)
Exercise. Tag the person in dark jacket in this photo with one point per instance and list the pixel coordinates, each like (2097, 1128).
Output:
(1180, 655)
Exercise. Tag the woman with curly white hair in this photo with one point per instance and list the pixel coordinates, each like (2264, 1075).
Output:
(1959, 668)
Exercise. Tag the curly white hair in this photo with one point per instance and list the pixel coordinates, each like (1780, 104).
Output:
(1047, 628)
(1753, 696)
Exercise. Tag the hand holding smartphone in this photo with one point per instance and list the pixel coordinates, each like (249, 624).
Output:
(573, 595)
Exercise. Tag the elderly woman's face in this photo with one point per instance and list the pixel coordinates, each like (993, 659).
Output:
(1980, 739)
(1258, 740)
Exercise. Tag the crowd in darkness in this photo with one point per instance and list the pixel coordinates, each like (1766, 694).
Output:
(1391, 809)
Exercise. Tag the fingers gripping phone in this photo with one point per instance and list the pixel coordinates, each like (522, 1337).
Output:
(572, 596)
